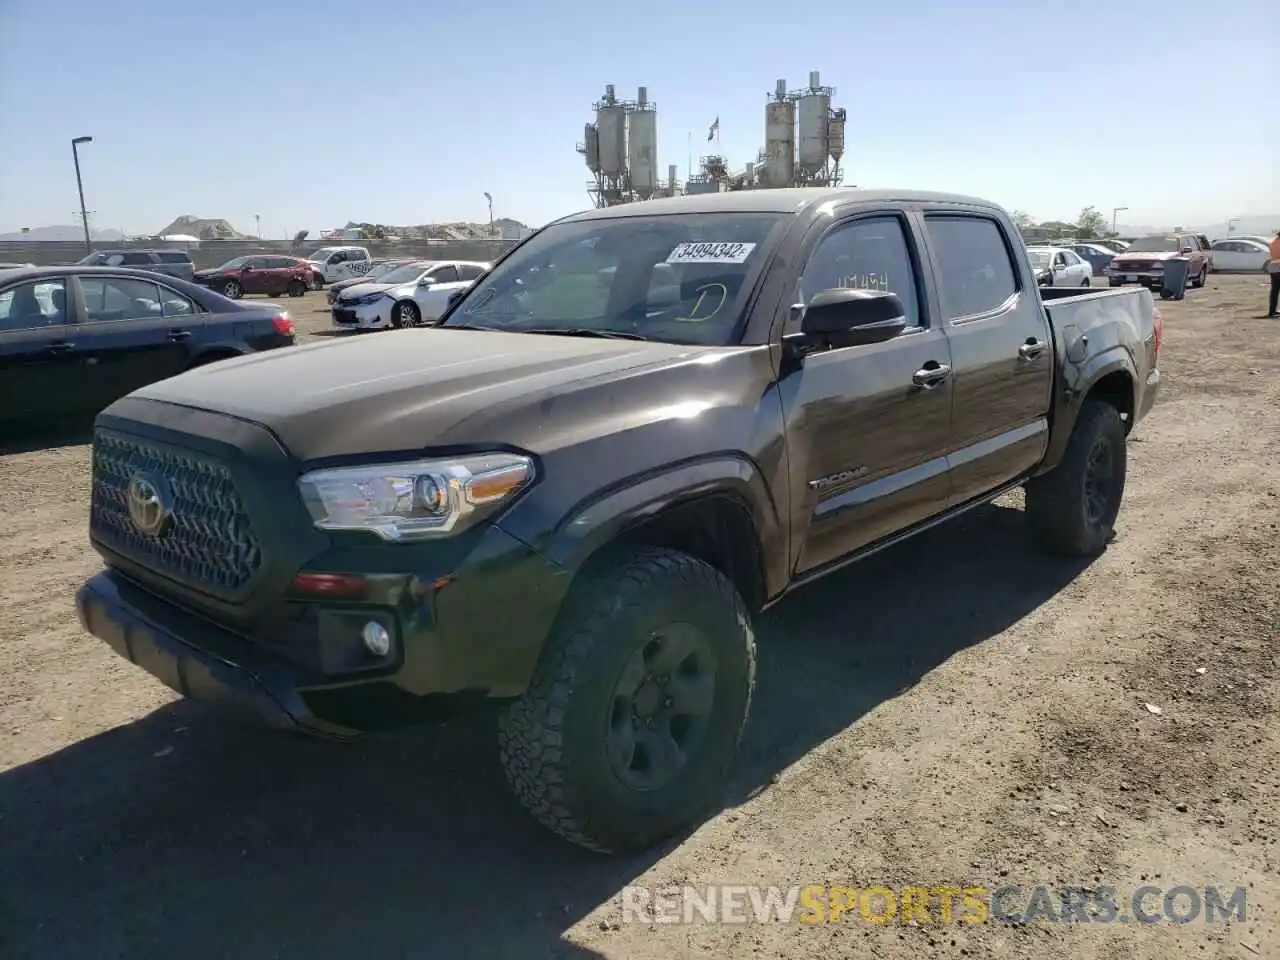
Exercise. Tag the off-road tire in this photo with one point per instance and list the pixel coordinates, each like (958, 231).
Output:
(553, 739)
(1057, 503)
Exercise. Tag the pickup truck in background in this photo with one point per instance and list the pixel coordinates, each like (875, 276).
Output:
(642, 427)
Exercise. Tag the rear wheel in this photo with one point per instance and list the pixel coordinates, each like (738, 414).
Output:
(1087, 282)
(232, 289)
(405, 314)
(632, 722)
(297, 288)
(1072, 509)
(1199, 280)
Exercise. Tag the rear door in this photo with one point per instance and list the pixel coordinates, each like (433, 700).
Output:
(870, 424)
(40, 375)
(134, 332)
(1001, 349)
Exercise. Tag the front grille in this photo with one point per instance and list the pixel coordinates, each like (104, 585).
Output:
(344, 316)
(208, 540)
(1133, 266)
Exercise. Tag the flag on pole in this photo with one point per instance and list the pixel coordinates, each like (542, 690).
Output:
(714, 131)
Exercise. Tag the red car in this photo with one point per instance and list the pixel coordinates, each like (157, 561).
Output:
(1143, 260)
(273, 275)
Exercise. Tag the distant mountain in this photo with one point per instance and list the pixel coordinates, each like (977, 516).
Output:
(1264, 225)
(63, 233)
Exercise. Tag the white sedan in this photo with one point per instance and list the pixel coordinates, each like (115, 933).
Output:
(1059, 267)
(1239, 255)
(407, 296)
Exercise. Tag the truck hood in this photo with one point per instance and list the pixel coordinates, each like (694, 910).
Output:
(1128, 257)
(410, 389)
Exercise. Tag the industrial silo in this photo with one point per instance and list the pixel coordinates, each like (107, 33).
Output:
(814, 108)
(642, 146)
(780, 138)
(611, 128)
(591, 147)
(835, 135)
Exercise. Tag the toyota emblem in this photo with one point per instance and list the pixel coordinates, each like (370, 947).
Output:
(148, 504)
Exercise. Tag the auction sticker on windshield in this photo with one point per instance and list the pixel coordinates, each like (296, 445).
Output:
(711, 253)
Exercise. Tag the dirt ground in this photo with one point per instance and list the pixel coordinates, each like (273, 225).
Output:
(959, 710)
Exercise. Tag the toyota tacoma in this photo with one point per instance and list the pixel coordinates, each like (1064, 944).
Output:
(571, 496)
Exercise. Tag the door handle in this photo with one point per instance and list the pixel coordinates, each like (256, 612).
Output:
(1031, 349)
(931, 374)
(177, 335)
(61, 347)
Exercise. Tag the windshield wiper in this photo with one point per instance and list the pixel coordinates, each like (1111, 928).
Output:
(582, 332)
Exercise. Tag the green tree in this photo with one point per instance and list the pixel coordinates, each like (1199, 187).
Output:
(1023, 220)
(1091, 223)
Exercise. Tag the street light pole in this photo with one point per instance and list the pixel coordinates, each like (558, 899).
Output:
(257, 220)
(488, 196)
(1114, 212)
(84, 215)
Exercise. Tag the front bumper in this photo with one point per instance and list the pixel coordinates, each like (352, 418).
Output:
(1151, 279)
(366, 316)
(460, 639)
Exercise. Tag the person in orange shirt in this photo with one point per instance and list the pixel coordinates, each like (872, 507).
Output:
(1273, 268)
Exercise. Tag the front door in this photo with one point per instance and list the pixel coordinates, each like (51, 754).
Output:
(869, 425)
(255, 277)
(134, 332)
(39, 373)
(1001, 348)
(434, 298)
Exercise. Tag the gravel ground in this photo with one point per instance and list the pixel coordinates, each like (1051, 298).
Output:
(959, 710)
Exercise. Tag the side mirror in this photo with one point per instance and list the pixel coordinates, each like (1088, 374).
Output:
(1185, 251)
(856, 317)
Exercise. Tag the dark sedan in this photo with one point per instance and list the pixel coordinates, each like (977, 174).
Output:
(377, 270)
(74, 339)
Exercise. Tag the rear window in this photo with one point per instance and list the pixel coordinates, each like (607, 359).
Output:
(168, 257)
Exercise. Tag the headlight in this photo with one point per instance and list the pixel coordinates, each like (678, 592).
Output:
(422, 500)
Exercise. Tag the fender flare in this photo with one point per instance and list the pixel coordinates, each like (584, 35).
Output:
(1071, 398)
(602, 517)
(226, 348)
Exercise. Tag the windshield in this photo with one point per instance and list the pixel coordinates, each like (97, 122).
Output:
(403, 274)
(322, 254)
(1153, 245)
(381, 269)
(235, 263)
(679, 279)
(1039, 258)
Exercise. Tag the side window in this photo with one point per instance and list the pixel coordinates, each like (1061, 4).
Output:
(446, 274)
(120, 298)
(136, 259)
(174, 304)
(173, 258)
(339, 257)
(976, 272)
(469, 272)
(113, 260)
(869, 254)
(32, 306)
(259, 263)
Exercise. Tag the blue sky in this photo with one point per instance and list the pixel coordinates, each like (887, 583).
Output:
(314, 113)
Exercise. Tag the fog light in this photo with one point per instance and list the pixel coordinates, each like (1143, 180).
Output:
(376, 639)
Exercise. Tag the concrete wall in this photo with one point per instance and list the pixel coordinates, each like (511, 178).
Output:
(211, 253)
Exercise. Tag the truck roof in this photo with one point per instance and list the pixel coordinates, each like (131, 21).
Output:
(782, 200)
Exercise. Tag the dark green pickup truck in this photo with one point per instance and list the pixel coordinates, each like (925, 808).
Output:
(641, 427)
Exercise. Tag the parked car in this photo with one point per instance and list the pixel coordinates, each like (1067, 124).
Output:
(1059, 267)
(1240, 255)
(1115, 246)
(413, 293)
(259, 273)
(1098, 257)
(1143, 260)
(377, 270)
(340, 263)
(572, 501)
(75, 338)
(173, 263)
(15, 266)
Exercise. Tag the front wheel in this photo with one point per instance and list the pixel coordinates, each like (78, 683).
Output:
(232, 290)
(1072, 509)
(632, 722)
(405, 314)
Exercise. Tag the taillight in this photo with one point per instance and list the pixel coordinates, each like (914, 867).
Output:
(284, 324)
(1159, 327)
